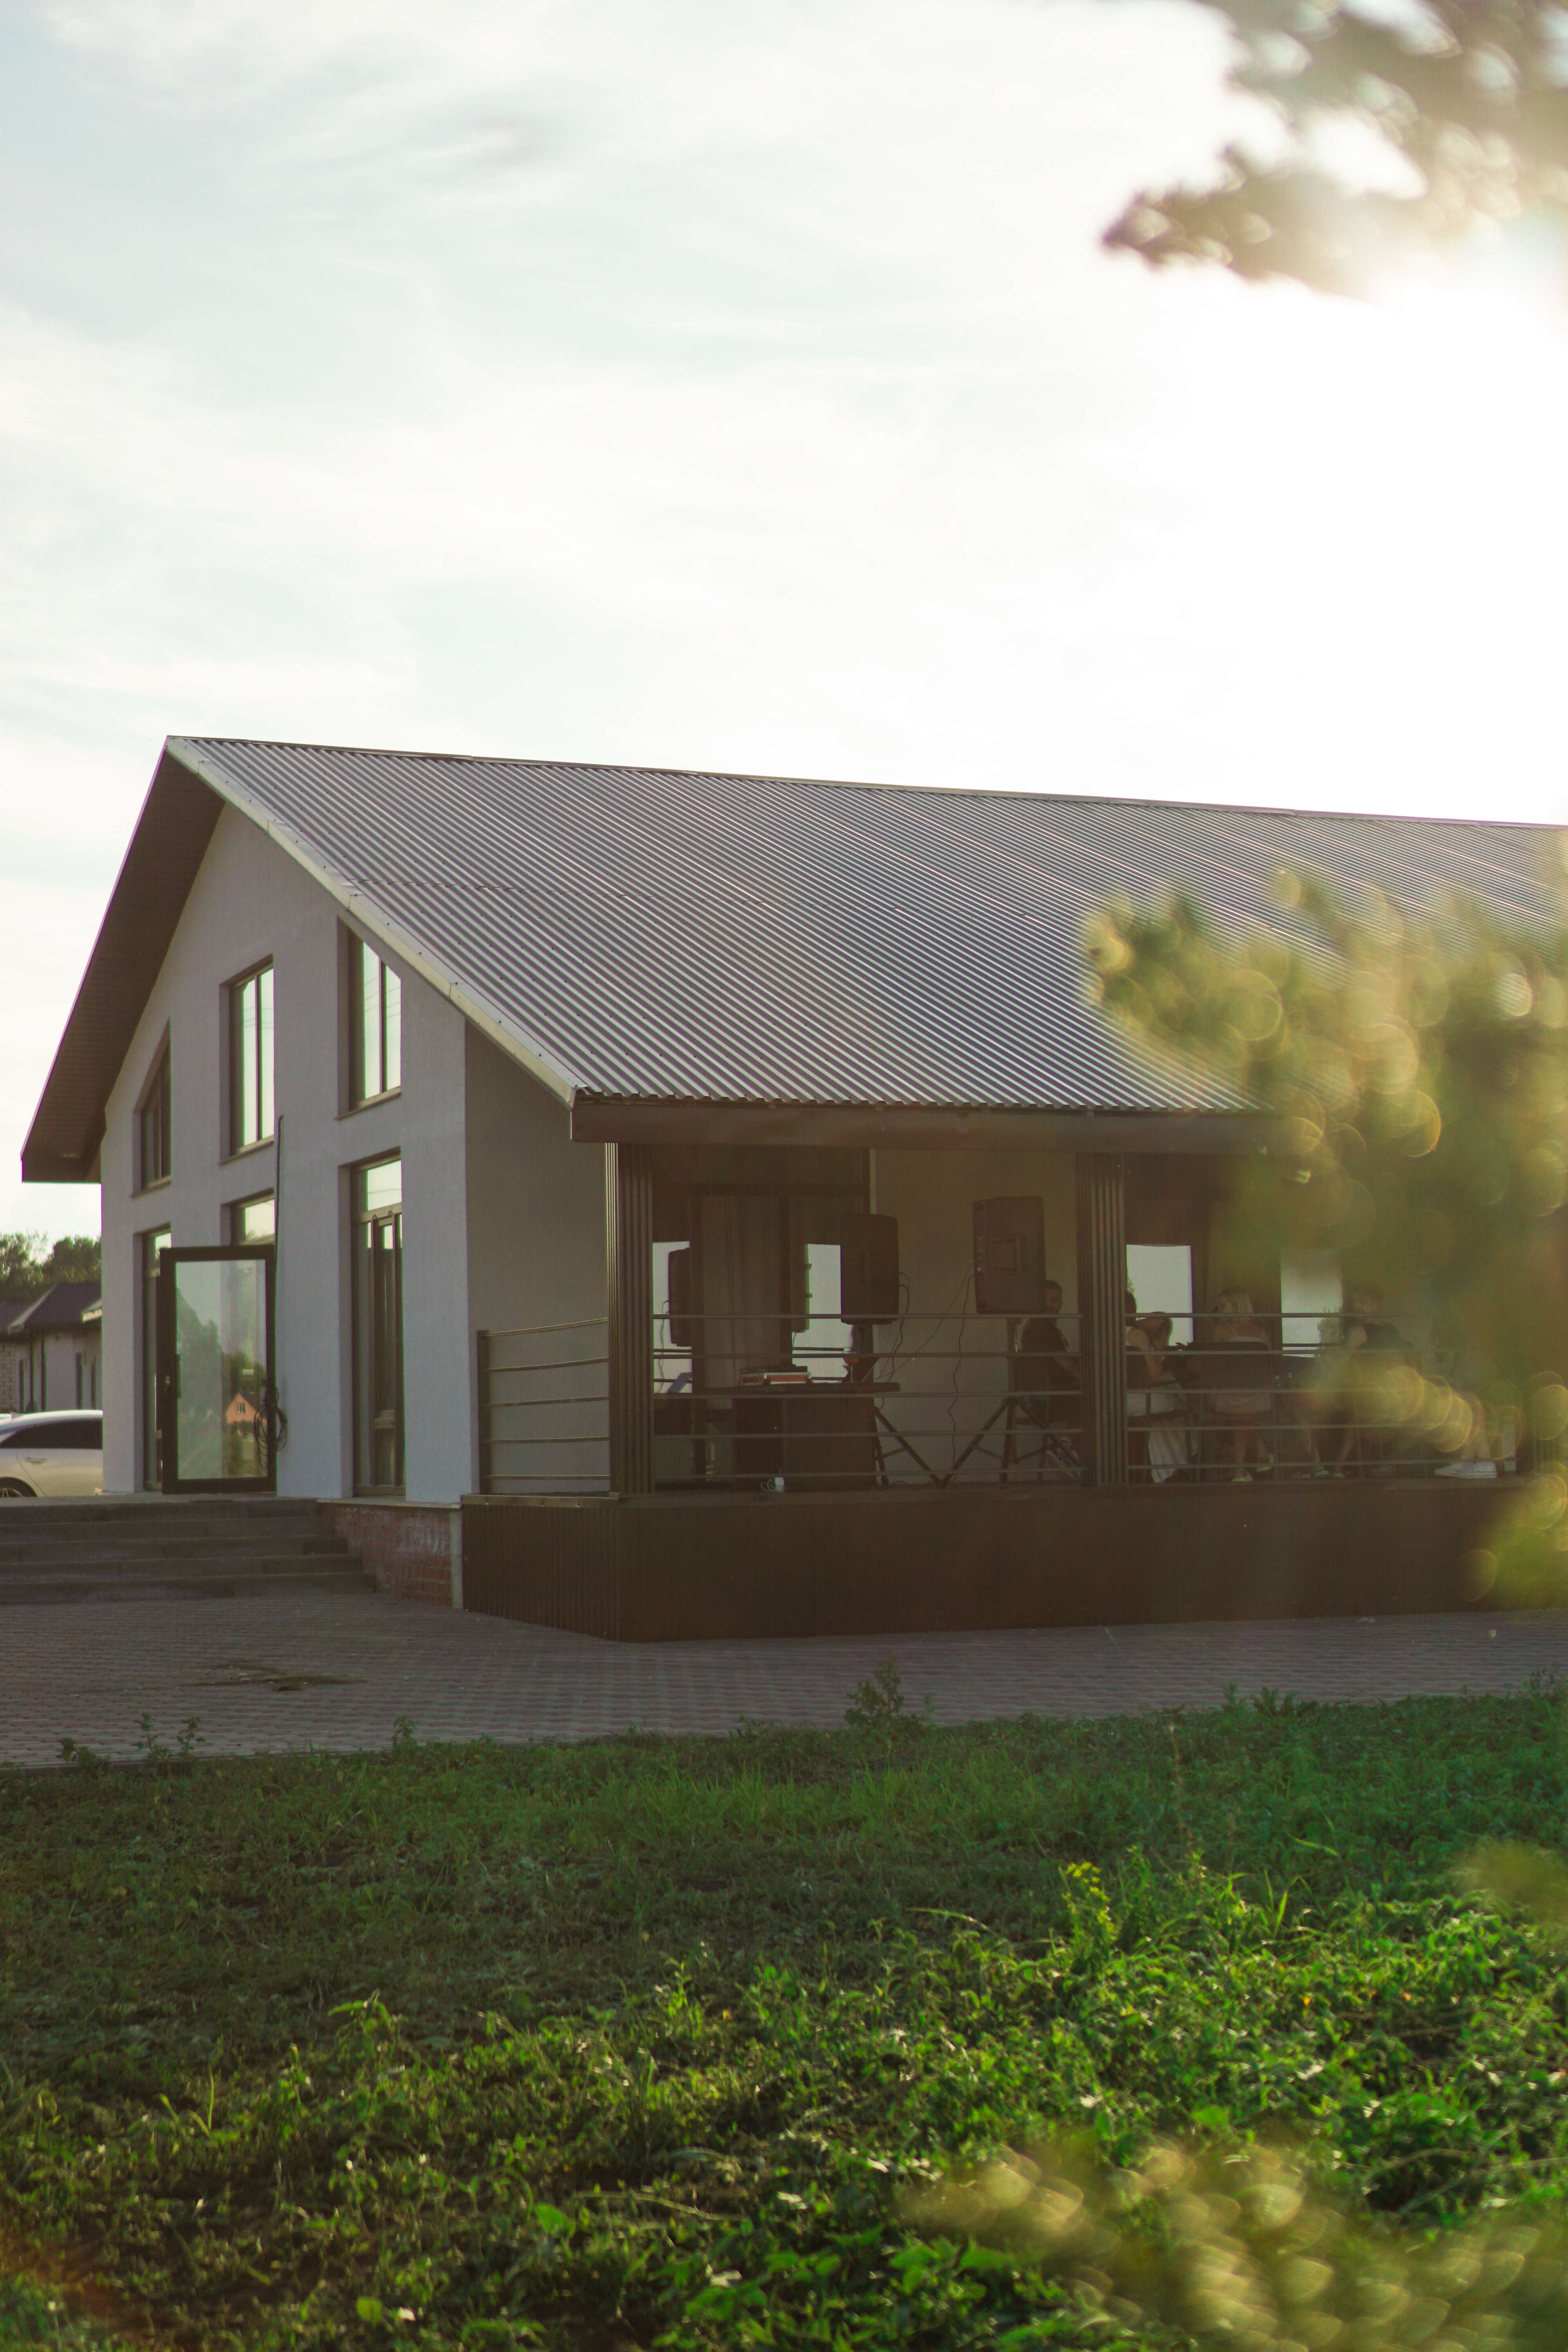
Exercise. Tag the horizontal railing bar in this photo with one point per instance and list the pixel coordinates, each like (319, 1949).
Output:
(593, 1437)
(530, 1403)
(548, 1363)
(528, 1330)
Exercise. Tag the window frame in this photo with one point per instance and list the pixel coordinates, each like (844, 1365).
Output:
(157, 1099)
(238, 1076)
(356, 949)
(231, 1216)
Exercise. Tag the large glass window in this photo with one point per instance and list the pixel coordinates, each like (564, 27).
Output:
(153, 1248)
(250, 1109)
(154, 1126)
(1160, 1277)
(375, 1024)
(378, 1327)
(1311, 1293)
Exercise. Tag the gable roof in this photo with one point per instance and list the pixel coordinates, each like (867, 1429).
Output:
(64, 1306)
(642, 936)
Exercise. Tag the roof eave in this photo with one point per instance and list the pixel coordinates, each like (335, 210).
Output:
(172, 835)
(434, 970)
(918, 1126)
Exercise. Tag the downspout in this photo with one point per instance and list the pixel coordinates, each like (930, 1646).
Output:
(278, 1420)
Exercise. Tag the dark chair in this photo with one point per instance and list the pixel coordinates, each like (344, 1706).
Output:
(1043, 1402)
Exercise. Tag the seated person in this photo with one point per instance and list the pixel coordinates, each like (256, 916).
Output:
(1045, 1371)
(1366, 1344)
(1240, 1379)
(1362, 1326)
(1141, 1375)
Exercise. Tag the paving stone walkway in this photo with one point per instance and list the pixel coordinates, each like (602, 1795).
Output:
(301, 1669)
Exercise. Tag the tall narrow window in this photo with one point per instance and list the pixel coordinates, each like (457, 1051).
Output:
(375, 1017)
(378, 1327)
(154, 1127)
(153, 1248)
(250, 1059)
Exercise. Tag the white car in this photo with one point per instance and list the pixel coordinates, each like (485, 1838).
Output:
(51, 1454)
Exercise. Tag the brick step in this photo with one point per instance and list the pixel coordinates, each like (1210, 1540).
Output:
(212, 1580)
(52, 1547)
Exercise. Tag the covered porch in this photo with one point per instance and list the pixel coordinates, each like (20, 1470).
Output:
(878, 1370)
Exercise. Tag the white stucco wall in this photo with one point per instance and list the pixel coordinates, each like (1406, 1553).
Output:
(250, 901)
(950, 1362)
(536, 1257)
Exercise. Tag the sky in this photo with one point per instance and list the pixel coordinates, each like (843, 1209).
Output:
(727, 387)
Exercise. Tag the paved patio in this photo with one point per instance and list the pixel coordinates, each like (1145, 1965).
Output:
(299, 1669)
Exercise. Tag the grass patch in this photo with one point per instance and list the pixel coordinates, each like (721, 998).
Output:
(633, 2044)
(32, 2315)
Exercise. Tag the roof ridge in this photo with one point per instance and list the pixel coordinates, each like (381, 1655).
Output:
(870, 784)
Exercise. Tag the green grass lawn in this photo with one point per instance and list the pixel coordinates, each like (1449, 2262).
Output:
(636, 2043)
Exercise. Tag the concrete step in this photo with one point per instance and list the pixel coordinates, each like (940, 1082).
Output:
(216, 1562)
(25, 1548)
(212, 1580)
(149, 1546)
(149, 1509)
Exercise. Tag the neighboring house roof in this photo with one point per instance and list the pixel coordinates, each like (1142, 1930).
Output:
(645, 936)
(64, 1306)
(8, 1307)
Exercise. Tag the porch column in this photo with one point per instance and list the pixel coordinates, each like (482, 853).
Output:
(629, 1203)
(1102, 1318)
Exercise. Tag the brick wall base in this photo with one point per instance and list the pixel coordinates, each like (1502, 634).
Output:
(413, 1550)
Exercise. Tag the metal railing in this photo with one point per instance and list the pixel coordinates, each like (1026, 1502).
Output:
(1302, 1396)
(934, 1401)
(956, 1399)
(544, 1413)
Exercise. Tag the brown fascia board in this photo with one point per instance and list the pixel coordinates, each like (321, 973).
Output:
(606, 1119)
(173, 833)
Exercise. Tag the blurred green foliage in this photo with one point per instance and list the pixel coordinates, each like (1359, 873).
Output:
(1230, 2250)
(1415, 1071)
(1466, 102)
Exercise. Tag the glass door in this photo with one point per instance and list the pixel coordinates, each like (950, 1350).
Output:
(378, 1328)
(217, 1411)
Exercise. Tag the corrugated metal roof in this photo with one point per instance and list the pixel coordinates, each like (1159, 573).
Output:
(663, 935)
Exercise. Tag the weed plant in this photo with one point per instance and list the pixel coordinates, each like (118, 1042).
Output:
(650, 2043)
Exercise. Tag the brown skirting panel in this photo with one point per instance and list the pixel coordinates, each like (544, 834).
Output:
(674, 1569)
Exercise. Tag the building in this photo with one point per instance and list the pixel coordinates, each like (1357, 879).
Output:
(671, 1164)
(13, 1359)
(51, 1350)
